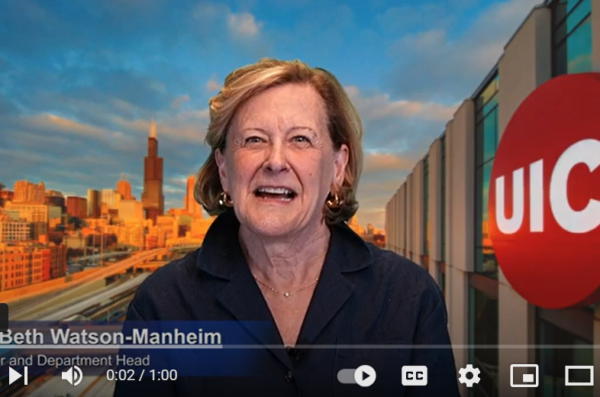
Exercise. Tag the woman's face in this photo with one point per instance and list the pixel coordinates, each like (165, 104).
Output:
(279, 163)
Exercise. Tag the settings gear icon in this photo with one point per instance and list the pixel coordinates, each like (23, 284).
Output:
(469, 369)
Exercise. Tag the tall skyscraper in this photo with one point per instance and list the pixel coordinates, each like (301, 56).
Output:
(189, 202)
(93, 203)
(124, 188)
(77, 207)
(28, 192)
(153, 200)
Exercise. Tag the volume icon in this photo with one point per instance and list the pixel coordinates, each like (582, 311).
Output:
(73, 375)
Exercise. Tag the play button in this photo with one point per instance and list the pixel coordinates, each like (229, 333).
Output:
(365, 375)
(14, 376)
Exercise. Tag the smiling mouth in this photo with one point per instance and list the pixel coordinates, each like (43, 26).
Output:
(277, 193)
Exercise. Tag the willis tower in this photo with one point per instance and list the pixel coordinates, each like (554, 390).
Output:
(153, 200)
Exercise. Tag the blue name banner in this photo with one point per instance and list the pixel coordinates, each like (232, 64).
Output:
(138, 349)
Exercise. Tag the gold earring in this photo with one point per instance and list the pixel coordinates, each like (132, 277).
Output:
(333, 201)
(225, 200)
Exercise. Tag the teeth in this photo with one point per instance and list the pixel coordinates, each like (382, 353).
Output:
(275, 190)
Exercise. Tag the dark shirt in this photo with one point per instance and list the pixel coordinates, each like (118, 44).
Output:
(365, 296)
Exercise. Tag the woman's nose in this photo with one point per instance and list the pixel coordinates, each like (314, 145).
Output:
(276, 158)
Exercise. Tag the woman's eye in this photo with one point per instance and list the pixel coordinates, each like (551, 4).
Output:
(301, 139)
(253, 139)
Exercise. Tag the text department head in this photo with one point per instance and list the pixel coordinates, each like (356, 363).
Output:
(282, 176)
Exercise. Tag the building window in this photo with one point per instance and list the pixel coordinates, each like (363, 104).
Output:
(486, 142)
(426, 206)
(572, 36)
(483, 330)
(552, 361)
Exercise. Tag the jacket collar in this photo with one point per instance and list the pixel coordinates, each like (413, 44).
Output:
(221, 254)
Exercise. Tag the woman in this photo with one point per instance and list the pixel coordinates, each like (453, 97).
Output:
(282, 176)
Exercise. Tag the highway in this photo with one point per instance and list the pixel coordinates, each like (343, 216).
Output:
(96, 299)
(88, 276)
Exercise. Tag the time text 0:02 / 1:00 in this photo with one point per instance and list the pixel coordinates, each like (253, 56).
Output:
(130, 375)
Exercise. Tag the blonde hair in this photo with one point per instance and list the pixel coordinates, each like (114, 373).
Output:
(240, 85)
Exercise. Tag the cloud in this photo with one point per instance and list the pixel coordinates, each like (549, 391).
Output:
(380, 105)
(397, 133)
(178, 101)
(188, 126)
(434, 64)
(378, 162)
(212, 84)
(401, 127)
(243, 25)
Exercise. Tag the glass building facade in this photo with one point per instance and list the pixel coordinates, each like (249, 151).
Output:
(493, 310)
(483, 287)
(567, 335)
(486, 142)
(572, 36)
(483, 330)
(577, 351)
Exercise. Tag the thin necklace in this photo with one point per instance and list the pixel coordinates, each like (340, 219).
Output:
(289, 293)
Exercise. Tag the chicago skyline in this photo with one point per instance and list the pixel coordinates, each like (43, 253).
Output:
(75, 110)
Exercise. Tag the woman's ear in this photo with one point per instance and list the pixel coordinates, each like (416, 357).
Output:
(340, 164)
(222, 166)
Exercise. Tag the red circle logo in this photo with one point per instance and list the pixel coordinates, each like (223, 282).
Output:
(544, 194)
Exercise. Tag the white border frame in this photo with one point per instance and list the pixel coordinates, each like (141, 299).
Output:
(537, 374)
(590, 368)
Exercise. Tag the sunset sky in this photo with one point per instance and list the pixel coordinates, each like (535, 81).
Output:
(81, 80)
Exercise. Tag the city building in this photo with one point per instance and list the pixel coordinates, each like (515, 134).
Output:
(30, 193)
(77, 207)
(58, 260)
(94, 201)
(75, 240)
(111, 198)
(199, 227)
(189, 202)
(131, 210)
(152, 196)
(354, 225)
(27, 262)
(166, 228)
(22, 264)
(438, 216)
(124, 188)
(374, 236)
(38, 215)
(55, 199)
(131, 233)
(13, 230)
(96, 223)
(6, 196)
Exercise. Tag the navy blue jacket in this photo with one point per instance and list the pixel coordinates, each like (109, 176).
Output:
(365, 296)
